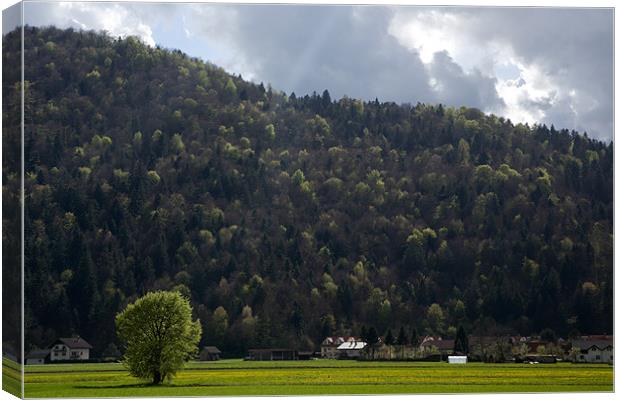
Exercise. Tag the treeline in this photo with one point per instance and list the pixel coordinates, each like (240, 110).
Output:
(287, 218)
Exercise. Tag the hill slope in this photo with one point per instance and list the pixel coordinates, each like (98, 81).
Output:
(288, 218)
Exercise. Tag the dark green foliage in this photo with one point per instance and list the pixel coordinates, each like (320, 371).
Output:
(389, 338)
(402, 337)
(461, 343)
(372, 337)
(548, 335)
(415, 339)
(298, 207)
(111, 352)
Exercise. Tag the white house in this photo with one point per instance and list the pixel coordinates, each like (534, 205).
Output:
(329, 346)
(594, 350)
(74, 348)
(457, 359)
(351, 349)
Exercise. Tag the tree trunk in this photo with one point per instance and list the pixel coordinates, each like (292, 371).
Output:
(156, 377)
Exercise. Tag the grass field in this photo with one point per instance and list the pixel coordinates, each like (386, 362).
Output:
(236, 377)
(11, 377)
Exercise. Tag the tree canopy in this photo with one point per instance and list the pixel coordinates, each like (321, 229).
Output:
(159, 335)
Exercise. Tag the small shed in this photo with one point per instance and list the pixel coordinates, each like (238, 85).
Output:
(210, 353)
(37, 357)
(272, 354)
(457, 359)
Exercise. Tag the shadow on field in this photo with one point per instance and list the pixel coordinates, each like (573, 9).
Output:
(126, 386)
(169, 385)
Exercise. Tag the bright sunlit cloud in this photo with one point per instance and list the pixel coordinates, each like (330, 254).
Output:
(115, 18)
(539, 75)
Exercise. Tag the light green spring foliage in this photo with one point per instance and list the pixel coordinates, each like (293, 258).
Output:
(154, 177)
(159, 334)
(177, 142)
(270, 131)
(230, 89)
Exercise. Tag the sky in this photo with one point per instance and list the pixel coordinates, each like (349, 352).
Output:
(534, 65)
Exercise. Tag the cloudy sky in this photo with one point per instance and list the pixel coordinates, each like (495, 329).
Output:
(546, 65)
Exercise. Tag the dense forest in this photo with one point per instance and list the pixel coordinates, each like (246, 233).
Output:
(286, 218)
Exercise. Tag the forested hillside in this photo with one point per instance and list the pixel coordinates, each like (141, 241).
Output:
(287, 218)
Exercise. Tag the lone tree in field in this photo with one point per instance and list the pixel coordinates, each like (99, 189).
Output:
(159, 334)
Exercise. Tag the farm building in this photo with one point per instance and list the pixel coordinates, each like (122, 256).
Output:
(534, 344)
(436, 344)
(351, 349)
(210, 353)
(457, 359)
(329, 346)
(594, 349)
(38, 356)
(74, 349)
(272, 354)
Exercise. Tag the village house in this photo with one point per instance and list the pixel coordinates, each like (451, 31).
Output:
(593, 349)
(351, 349)
(329, 346)
(70, 349)
(535, 344)
(431, 345)
(210, 353)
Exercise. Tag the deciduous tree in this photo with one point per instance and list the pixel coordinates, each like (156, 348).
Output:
(159, 335)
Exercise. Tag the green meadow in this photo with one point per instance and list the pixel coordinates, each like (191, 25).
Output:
(11, 377)
(238, 378)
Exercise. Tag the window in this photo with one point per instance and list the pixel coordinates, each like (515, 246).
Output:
(598, 357)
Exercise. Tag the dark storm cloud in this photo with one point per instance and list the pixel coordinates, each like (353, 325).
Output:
(311, 48)
(564, 56)
(347, 50)
(456, 88)
(540, 104)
